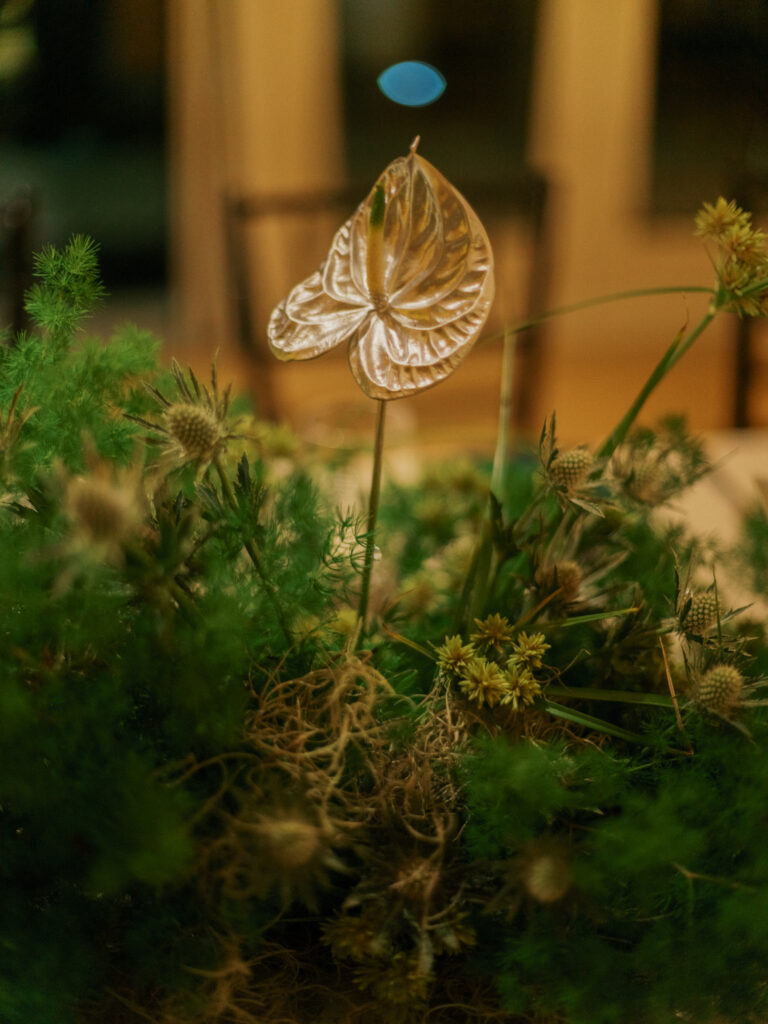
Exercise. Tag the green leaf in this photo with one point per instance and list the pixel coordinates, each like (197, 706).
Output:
(590, 722)
(658, 700)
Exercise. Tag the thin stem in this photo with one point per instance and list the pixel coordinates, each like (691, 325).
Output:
(675, 352)
(253, 553)
(498, 474)
(373, 510)
(599, 300)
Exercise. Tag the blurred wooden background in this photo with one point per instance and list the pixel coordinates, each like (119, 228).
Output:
(141, 123)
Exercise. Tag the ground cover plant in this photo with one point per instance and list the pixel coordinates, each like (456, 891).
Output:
(513, 769)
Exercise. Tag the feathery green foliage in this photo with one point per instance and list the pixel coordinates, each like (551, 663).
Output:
(532, 790)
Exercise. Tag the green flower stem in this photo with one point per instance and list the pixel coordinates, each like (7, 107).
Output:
(498, 474)
(254, 555)
(599, 300)
(674, 353)
(373, 511)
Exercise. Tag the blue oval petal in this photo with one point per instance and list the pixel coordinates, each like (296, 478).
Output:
(411, 83)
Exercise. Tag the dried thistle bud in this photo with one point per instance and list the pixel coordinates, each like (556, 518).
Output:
(104, 511)
(195, 429)
(400, 981)
(565, 577)
(648, 480)
(547, 876)
(360, 937)
(719, 690)
(702, 613)
(284, 850)
(292, 841)
(570, 470)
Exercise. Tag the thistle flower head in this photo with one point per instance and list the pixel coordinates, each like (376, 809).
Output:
(194, 429)
(545, 872)
(103, 510)
(105, 507)
(288, 850)
(292, 840)
(699, 612)
(719, 690)
(647, 479)
(195, 426)
(652, 466)
(569, 470)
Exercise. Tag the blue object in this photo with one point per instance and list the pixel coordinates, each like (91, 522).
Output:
(412, 83)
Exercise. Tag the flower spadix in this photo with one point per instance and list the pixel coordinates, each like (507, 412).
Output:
(408, 283)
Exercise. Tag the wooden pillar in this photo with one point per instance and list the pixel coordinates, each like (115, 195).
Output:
(254, 106)
(591, 128)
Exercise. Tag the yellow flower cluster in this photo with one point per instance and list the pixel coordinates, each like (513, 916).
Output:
(494, 632)
(742, 261)
(494, 668)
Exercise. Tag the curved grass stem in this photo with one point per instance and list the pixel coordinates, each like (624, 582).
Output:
(674, 353)
(598, 300)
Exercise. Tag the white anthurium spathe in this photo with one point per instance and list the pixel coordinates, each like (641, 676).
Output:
(408, 283)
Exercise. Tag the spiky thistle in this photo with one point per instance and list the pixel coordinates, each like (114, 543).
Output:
(194, 426)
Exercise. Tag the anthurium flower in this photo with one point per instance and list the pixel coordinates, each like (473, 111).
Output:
(408, 283)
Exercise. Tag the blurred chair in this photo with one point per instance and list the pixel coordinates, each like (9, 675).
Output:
(314, 216)
(16, 219)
